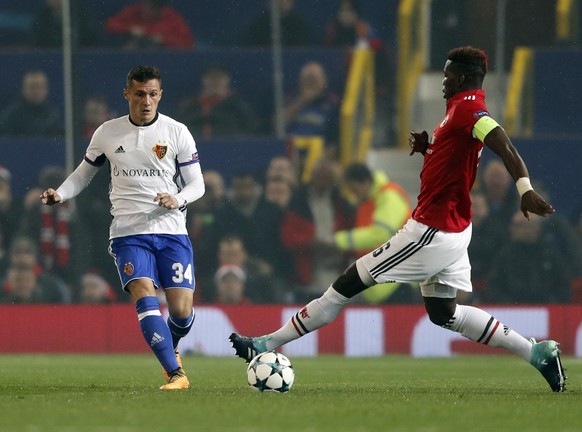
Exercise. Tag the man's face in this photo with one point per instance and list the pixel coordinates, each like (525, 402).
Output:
(313, 78)
(451, 81)
(143, 99)
(230, 289)
(232, 252)
(35, 88)
(21, 275)
(360, 190)
(244, 190)
(96, 112)
(5, 194)
(216, 83)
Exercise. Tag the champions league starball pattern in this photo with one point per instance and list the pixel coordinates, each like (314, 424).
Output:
(270, 372)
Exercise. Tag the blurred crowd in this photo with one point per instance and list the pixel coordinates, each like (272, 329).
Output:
(269, 237)
(213, 106)
(280, 234)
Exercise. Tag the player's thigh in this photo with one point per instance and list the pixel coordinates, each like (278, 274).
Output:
(134, 259)
(454, 277)
(413, 254)
(175, 262)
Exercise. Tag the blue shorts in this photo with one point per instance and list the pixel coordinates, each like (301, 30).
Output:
(166, 259)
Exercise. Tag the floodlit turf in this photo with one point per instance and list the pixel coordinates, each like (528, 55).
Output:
(120, 394)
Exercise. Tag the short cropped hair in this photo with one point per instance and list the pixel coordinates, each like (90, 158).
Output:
(143, 74)
(358, 173)
(469, 61)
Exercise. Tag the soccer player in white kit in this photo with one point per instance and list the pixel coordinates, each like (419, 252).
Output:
(432, 246)
(155, 173)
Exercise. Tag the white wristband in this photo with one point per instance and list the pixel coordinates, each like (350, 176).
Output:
(523, 185)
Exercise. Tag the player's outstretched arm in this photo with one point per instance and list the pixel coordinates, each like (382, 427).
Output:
(498, 141)
(50, 197)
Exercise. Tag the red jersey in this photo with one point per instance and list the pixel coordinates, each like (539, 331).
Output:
(450, 165)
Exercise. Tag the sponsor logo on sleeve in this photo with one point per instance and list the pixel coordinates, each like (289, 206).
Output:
(480, 114)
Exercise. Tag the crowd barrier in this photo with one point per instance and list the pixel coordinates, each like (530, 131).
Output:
(359, 331)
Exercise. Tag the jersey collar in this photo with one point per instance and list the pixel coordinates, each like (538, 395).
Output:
(143, 125)
(475, 94)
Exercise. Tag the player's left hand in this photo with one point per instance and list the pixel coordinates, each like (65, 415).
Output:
(531, 201)
(166, 200)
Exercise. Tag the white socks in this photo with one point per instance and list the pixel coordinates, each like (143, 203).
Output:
(471, 322)
(479, 326)
(316, 314)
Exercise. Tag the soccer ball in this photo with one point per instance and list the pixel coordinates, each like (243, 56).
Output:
(270, 372)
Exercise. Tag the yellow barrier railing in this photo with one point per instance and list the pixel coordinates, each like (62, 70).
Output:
(358, 108)
(308, 150)
(567, 20)
(518, 104)
(411, 57)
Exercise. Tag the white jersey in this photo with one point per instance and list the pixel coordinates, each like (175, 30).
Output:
(144, 160)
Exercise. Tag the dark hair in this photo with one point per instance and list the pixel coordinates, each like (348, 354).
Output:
(143, 74)
(469, 61)
(358, 172)
(245, 174)
(355, 5)
(216, 68)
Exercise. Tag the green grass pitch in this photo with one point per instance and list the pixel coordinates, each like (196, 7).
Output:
(44, 393)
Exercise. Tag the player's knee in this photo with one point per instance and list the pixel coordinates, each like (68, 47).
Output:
(349, 283)
(440, 310)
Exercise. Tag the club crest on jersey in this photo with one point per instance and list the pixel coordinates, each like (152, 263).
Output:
(160, 150)
(128, 268)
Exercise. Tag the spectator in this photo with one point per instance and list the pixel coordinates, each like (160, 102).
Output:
(487, 239)
(314, 111)
(382, 209)
(201, 218)
(258, 287)
(218, 110)
(150, 24)
(215, 190)
(560, 232)
(316, 212)
(230, 285)
(4, 259)
(95, 290)
(348, 30)
(257, 222)
(47, 28)
(278, 191)
(96, 111)
(282, 166)
(527, 269)
(32, 114)
(294, 29)
(57, 230)
(499, 189)
(10, 210)
(25, 282)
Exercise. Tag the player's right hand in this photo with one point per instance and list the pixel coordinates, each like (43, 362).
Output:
(50, 197)
(418, 142)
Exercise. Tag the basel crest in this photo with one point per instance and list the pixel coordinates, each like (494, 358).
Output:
(160, 150)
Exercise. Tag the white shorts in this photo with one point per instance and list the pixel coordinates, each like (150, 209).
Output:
(419, 253)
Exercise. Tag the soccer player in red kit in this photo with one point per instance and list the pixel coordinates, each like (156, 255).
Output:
(432, 246)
